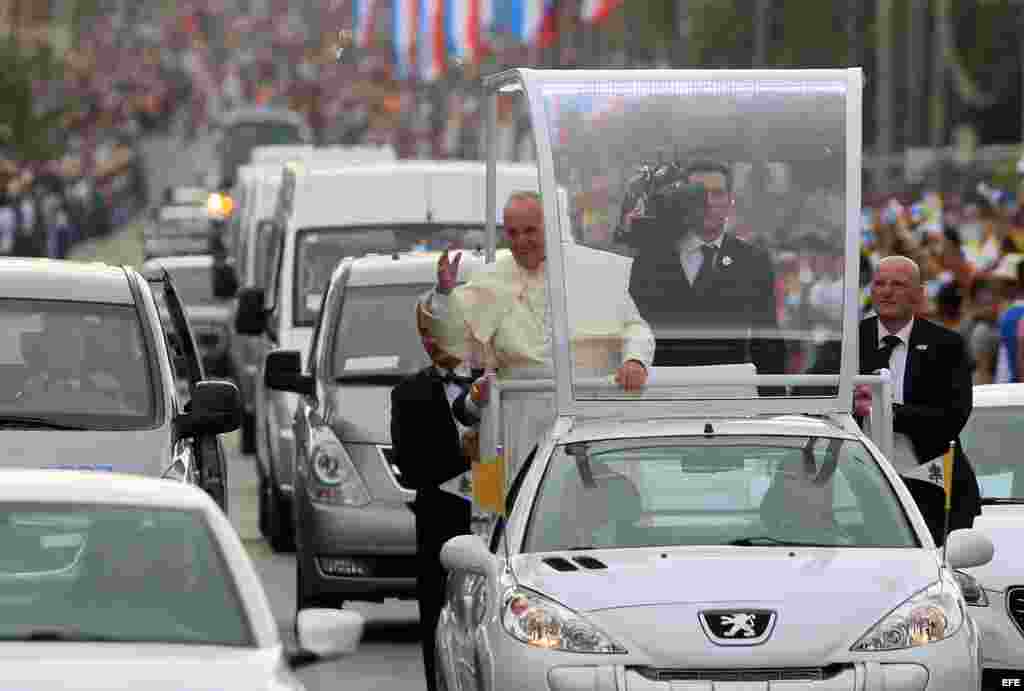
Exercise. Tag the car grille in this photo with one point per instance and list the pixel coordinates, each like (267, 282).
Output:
(389, 460)
(740, 674)
(1015, 605)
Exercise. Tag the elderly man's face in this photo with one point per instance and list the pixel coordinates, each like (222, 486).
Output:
(524, 230)
(895, 291)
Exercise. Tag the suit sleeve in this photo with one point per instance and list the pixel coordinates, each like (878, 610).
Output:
(396, 425)
(465, 413)
(766, 347)
(948, 413)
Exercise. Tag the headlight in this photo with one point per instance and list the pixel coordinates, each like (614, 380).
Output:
(974, 594)
(931, 615)
(336, 480)
(538, 621)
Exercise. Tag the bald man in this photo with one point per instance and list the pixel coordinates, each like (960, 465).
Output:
(931, 389)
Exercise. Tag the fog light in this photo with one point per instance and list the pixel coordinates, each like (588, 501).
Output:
(344, 566)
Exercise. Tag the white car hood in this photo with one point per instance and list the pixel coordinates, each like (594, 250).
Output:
(136, 452)
(650, 603)
(1004, 526)
(153, 667)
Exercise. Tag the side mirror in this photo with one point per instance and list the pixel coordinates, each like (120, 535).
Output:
(284, 373)
(251, 318)
(225, 282)
(325, 634)
(215, 408)
(468, 553)
(967, 548)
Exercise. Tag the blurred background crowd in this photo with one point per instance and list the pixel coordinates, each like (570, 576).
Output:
(86, 80)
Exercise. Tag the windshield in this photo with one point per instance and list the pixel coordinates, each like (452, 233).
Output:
(74, 363)
(121, 574)
(318, 251)
(194, 285)
(392, 347)
(719, 491)
(240, 140)
(992, 440)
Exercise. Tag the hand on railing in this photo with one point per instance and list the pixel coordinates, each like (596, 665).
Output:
(480, 392)
(862, 400)
(631, 376)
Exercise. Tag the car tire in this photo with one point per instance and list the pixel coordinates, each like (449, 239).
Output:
(248, 433)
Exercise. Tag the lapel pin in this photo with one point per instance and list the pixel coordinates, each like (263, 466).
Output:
(922, 346)
(726, 260)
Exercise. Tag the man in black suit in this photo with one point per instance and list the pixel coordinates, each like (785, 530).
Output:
(708, 295)
(427, 411)
(932, 395)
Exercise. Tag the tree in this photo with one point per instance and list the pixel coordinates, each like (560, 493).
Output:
(27, 128)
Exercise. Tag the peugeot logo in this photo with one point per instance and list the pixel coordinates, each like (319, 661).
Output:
(737, 626)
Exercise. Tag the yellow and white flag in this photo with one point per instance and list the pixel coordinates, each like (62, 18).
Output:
(939, 472)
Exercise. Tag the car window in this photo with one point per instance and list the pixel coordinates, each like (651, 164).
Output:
(75, 363)
(318, 251)
(126, 574)
(194, 284)
(993, 439)
(695, 491)
(376, 332)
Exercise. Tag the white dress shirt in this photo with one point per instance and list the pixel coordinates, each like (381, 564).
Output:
(691, 256)
(903, 451)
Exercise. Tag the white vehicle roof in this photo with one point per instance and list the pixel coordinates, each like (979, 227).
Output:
(402, 192)
(182, 212)
(84, 487)
(404, 269)
(180, 261)
(790, 425)
(997, 395)
(276, 153)
(55, 279)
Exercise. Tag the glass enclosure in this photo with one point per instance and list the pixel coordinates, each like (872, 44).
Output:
(684, 173)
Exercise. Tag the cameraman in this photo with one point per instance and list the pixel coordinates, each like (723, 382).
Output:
(708, 295)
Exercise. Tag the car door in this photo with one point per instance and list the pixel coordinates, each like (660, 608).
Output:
(207, 450)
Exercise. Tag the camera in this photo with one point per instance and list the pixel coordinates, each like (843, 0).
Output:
(668, 207)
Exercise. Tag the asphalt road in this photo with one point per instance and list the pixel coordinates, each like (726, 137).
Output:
(389, 656)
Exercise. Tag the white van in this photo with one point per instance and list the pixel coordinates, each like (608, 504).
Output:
(325, 213)
(256, 197)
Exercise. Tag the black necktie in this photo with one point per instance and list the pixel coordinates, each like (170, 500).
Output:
(889, 344)
(706, 267)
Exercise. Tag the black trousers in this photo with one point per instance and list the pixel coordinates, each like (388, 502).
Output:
(440, 516)
(931, 500)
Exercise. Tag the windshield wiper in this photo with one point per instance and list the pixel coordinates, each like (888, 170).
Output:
(765, 540)
(995, 501)
(59, 635)
(13, 421)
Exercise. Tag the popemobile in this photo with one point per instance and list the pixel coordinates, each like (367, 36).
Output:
(728, 525)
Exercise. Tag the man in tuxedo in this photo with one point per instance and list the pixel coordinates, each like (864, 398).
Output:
(708, 295)
(932, 395)
(429, 411)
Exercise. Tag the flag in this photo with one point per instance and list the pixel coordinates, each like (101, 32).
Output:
(548, 29)
(467, 23)
(364, 20)
(404, 38)
(432, 43)
(521, 19)
(937, 472)
(596, 11)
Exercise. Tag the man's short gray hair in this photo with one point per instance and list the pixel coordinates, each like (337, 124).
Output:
(524, 196)
(905, 261)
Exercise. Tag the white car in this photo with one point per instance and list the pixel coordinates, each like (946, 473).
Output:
(780, 552)
(118, 582)
(993, 439)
